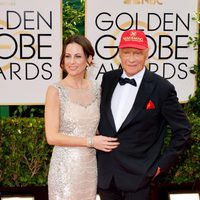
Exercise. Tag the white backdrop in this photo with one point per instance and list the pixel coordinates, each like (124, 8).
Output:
(168, 26)
(30, 47)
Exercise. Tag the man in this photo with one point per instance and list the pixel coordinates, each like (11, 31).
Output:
(136, 106)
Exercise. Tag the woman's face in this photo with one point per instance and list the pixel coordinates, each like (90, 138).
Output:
(75, 61)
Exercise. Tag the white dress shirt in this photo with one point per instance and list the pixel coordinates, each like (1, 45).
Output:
(123, 98)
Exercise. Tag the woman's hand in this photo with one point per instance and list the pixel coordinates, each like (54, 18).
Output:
(104, 143)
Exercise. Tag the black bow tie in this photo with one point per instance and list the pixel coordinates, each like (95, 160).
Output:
(123, 81)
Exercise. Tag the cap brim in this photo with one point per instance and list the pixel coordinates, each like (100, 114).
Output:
(132, 46)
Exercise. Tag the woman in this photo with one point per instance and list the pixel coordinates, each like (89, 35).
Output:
(71, 120)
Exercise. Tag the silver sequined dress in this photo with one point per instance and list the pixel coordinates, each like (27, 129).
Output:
(73, 170)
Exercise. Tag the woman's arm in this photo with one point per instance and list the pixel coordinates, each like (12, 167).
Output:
(52, 128)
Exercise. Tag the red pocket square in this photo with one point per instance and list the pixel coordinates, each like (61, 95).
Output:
(150, 105)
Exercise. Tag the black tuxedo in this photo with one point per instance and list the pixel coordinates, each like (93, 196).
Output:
(135, 161)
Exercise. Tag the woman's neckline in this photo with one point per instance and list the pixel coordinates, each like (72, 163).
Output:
(88, 86)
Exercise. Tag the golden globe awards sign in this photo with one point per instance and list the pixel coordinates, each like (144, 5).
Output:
(30, 46)
(168, 26)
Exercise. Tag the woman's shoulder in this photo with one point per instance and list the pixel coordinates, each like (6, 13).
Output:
(55, 88)
(56, 85)
(52, 92)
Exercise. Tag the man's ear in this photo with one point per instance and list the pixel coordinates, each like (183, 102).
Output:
(147, 53)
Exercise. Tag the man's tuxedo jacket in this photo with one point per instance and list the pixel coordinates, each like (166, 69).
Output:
(134, 162)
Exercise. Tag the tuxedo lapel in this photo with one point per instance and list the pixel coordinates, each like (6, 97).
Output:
(109, 92)
(143, 94)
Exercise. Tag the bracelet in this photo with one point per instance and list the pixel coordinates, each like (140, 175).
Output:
(90, 142)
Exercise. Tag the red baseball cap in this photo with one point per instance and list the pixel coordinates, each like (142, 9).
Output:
(133, 39)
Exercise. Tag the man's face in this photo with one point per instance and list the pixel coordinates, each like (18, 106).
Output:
(133, 60)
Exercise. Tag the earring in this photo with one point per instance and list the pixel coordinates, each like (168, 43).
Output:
(87, 66)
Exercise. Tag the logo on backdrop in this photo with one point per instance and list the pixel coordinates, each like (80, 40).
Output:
(167, 31)
(19, 43)
(163, 46)
(30, 41)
